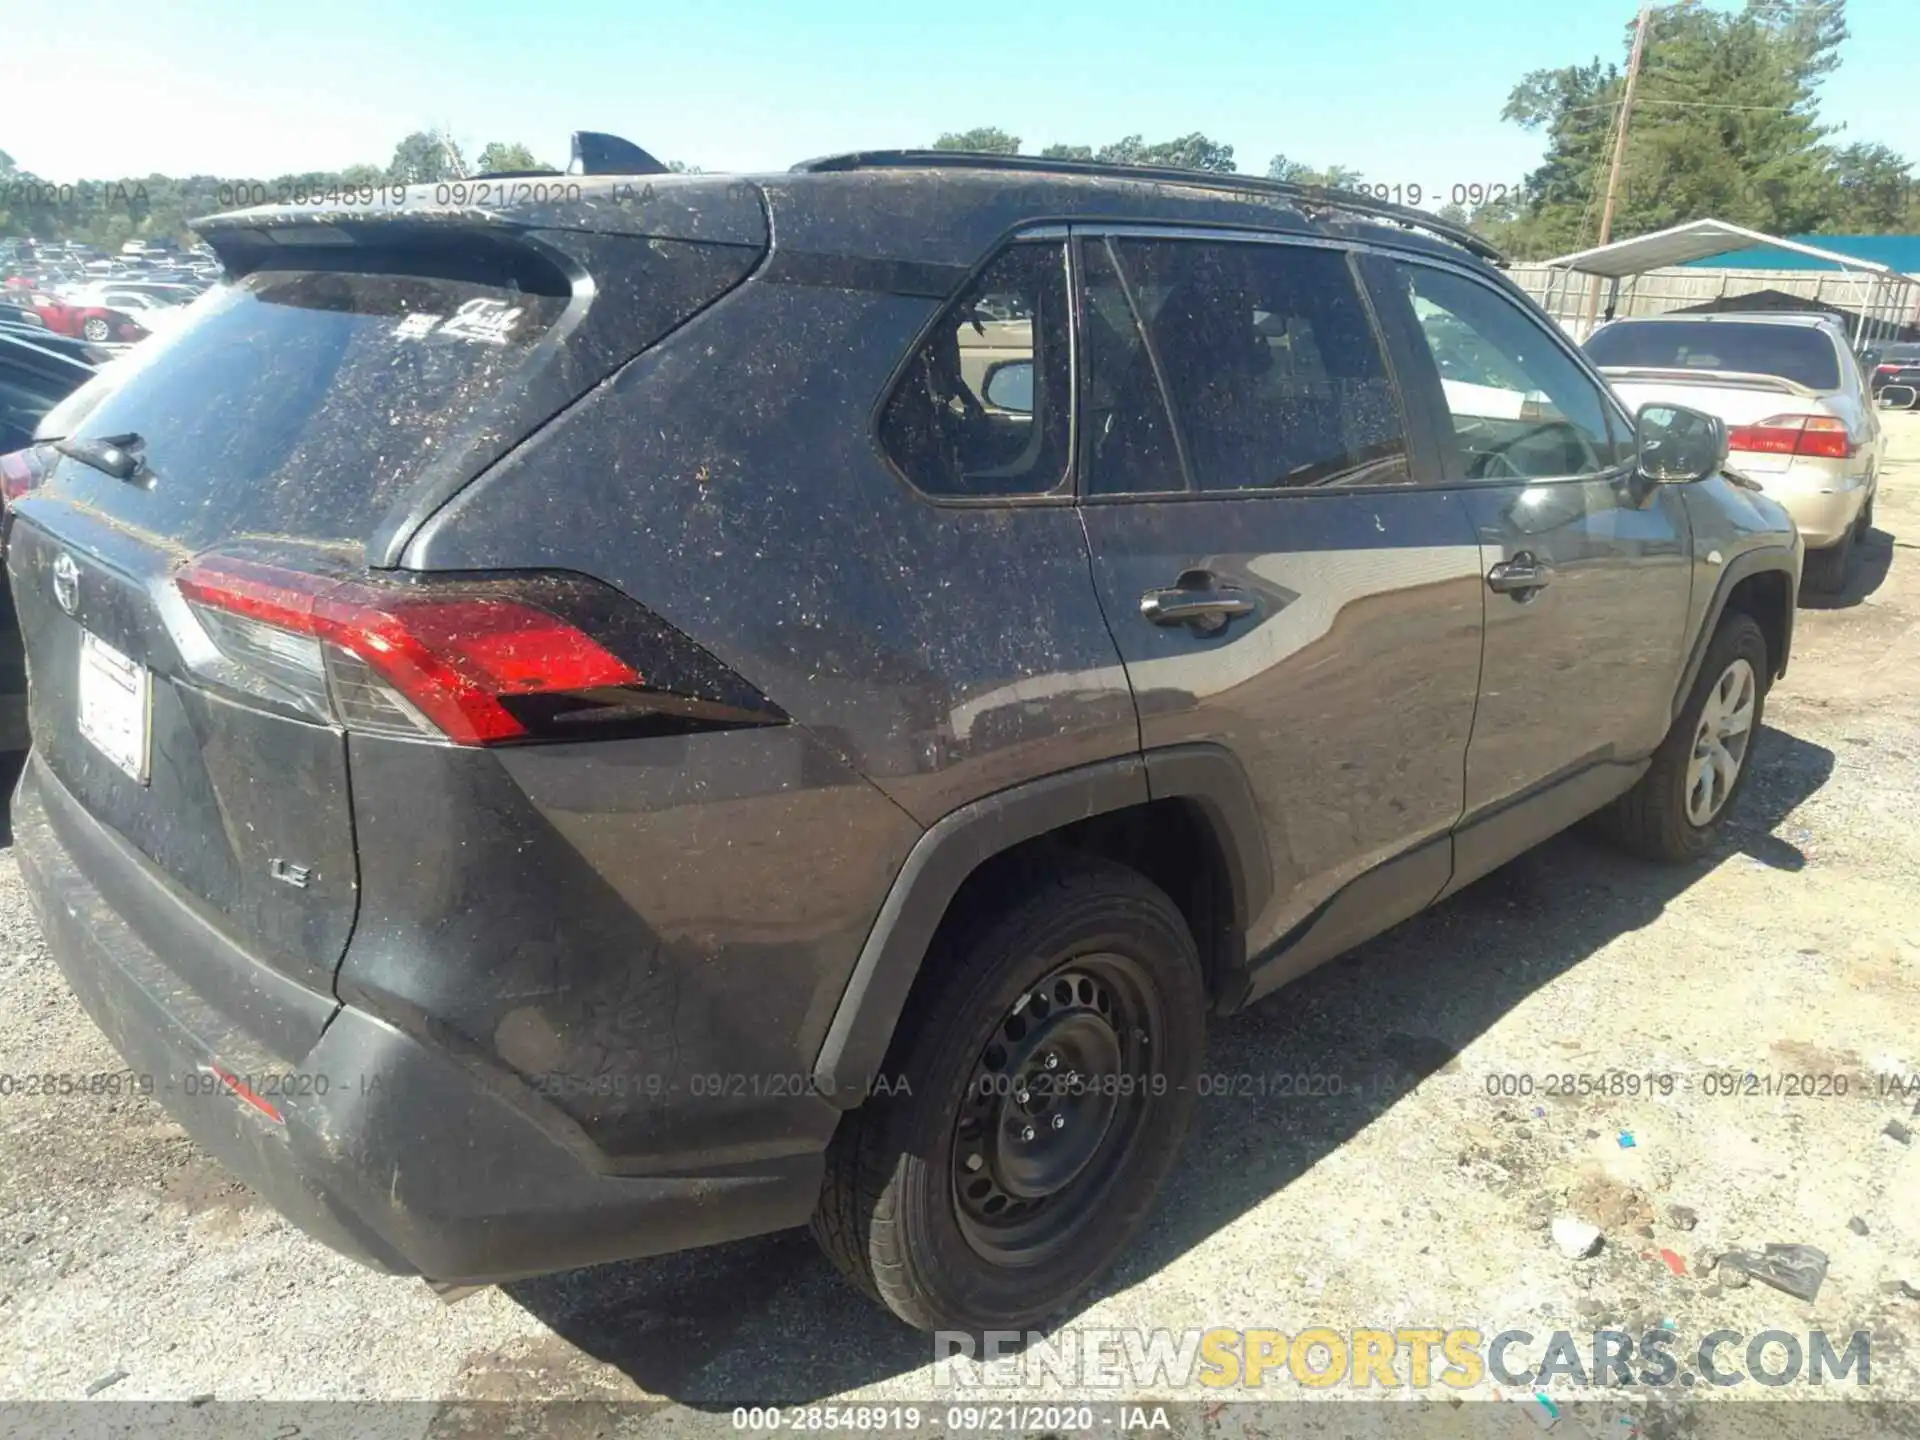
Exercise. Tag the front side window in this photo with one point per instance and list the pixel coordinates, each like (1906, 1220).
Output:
(1522, 408)
(1268, 358)
(984, 406)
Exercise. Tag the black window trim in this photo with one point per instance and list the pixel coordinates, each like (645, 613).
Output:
(1553, 332)
(1188, 487)
(1062, 492)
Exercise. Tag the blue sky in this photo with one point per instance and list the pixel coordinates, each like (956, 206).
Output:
(1402, 90)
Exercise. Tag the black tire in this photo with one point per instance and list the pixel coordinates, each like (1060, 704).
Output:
(892, 1214)
(1651, 819)
(1824, 572)
(1864, 524)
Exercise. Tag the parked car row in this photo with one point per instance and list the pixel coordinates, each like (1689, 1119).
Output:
(106, 302)
(693, 731)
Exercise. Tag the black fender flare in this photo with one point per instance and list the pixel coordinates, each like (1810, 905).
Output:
(1747, 563)
(863, 1023)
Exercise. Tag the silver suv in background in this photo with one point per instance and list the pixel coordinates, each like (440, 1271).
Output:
(1800, 422)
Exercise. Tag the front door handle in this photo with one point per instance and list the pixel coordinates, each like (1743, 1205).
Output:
(1520, 577)
(1197, 603)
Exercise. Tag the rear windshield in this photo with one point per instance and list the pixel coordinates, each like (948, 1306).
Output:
(305, 401)
(1792, 352)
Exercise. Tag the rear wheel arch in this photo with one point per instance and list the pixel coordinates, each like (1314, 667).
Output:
(1183, 817)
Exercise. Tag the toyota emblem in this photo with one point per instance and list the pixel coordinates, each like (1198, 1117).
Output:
(66, 583)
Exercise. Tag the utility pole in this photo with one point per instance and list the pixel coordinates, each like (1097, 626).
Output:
(1620, 147)
(455, 162)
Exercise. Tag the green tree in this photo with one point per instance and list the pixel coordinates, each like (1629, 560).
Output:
(1876, 194)
(1188, 152)
(981, 140)
(423, 157)
(1725, 124)
(1337, 177)
(500, 155)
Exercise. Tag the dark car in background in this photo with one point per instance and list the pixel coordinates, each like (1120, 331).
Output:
(1894, 364)
(588, 726)
(34, 377)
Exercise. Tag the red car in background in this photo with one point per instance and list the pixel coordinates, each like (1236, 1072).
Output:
(86, 322)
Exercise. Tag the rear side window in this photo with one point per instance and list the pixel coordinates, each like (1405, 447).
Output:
(1793, 352)
(305, 401)
(1127, 444)
(1270, 361)
(984, 407)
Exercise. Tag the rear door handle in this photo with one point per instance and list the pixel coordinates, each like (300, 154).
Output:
(1203, 607)
(1520, 577)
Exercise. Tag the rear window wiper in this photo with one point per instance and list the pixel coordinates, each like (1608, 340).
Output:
(115, 455)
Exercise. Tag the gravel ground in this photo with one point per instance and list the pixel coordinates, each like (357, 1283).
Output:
(1417, 1196)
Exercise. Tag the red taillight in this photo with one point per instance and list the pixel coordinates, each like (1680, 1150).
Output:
(1817, 435)
(1885, 369)
(450, 658)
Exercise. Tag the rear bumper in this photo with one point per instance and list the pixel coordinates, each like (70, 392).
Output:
(1821, 496)
(389, 1150)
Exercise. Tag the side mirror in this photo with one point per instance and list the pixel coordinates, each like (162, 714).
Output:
(1897, 397)
(1010, 386)
(1675, 446)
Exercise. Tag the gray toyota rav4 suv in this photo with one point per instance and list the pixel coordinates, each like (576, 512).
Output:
(580, 716)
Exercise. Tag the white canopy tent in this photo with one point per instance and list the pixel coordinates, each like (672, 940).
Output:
(1884, 291)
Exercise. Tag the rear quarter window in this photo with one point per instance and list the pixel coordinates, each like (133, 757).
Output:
(304, 401)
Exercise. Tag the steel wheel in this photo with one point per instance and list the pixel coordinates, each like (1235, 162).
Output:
(1720, 742)
(1052, 1108)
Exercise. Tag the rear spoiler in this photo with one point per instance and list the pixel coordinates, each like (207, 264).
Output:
(613, 187)
(1734, 379)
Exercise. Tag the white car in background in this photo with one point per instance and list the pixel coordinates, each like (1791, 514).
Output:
(1800, 423)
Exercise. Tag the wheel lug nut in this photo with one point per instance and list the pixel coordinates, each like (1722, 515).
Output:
(1021, 1096)
(1059, 1122)
(1053, 1061)
(1026, 1133)
(974, 1162)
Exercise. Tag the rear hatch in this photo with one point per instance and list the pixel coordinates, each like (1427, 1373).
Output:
(350, 375)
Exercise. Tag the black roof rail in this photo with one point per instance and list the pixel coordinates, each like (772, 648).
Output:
(1316, 196)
